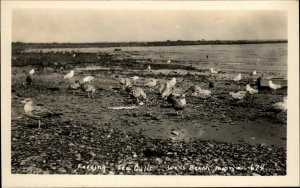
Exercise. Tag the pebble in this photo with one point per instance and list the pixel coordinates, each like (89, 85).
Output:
(111, 173)
(175, 133)
(159, 160)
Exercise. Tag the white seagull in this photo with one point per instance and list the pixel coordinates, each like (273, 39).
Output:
(254, 73)
(171, 83)
(37, 112)
(151, 83)
(201, 93)
(240, 95)
(213, 71)
(166, 91)
(161, 87)
(31, 72)
(69, 75)
(74, 86)
(135, 78)
(90, 89)
(169, 61)
(280, 106)
(148, 68)
(88, 79)
(137, 93)
(251, 90)
(129, 82)
(273, 86)
(238, 77)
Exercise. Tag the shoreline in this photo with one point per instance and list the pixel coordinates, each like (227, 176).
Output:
(141, 44)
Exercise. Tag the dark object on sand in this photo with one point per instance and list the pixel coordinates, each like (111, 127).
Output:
(29, 80)
(53, 88)
(211, 85)
(117, 50)
(207, 56)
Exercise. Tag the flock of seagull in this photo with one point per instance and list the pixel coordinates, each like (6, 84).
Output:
(166, 89)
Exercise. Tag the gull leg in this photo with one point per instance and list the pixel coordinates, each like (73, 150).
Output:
(39, 124)
(181, 114)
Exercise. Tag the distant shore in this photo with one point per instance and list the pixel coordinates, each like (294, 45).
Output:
(141, 44)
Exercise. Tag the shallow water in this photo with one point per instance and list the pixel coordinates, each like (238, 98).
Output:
(260, 57)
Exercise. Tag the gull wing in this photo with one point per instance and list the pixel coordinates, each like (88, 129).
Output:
(40, 111)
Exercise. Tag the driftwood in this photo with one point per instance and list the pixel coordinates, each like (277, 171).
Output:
(122, 107)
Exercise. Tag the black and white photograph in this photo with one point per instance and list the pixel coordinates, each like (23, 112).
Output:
(150, 92)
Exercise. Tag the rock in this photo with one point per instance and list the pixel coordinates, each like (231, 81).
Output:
(175, 133)
(111, 173)
(71, 144)
(92, 154)
(167, 159)
(158, 160)
(62, 170)
(22, 163)
(78, 157)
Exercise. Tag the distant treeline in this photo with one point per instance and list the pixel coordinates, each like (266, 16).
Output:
(142, 44)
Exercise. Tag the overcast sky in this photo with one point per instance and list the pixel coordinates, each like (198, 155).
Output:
(65, 25)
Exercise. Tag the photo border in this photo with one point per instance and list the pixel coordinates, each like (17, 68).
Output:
(17, 180)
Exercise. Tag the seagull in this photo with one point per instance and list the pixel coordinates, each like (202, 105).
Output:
(161, 87)
(90, 89)
(128, 82)
(167, 91)
(125, 82)
(251, 90)
(74, 86)
(151, 83)
(253, 73)
(171, 83)
(88, 79)
(273, 86)
(201, 93)
(177, 101)
(137, 93)
(31, 72)
(213, 71)
(169, 61)
(69, 75)
(37, 112)
(148, 68)
(238, 77)
(135, 78)
(74, 55)
(280, 106)
(240, 95)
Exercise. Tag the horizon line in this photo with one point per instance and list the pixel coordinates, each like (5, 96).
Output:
(179, 40)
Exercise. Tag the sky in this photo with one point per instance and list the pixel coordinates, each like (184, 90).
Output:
(69, 25)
